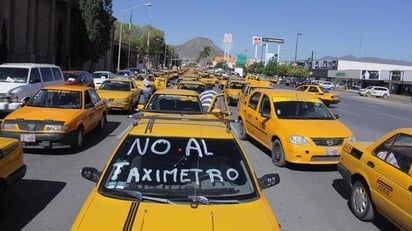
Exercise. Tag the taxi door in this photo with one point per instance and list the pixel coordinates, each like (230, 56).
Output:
(391, 188)
(94, 108)
(250, 114)
(264, 115)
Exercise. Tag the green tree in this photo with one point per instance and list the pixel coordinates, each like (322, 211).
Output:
(271, 67)
(204, 53)
(98, 21)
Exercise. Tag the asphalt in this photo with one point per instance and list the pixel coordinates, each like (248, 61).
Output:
(403, 99)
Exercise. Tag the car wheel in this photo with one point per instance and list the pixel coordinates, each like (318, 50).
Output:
(78, 139)
(360, 202)
(242, 131)
(368, 94)
(278, 155)
(385, 96)
(102, 122)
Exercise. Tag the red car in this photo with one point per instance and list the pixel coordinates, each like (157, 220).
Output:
(74, 77)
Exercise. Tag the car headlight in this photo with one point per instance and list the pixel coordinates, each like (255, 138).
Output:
(14, 97)
(351, 139)
(295, 139)
(56, 127)
(9, 126)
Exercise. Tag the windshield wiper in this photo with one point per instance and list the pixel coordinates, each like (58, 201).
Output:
(205, 201)
(140, 197)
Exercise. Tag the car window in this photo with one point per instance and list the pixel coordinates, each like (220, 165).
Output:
(13, 75)
(56, 99)
(265, 105)
(34, 76)
(93, 95)
(396, 151)
(253, 100)
(57, 73)
(178, 167)
(46, 74)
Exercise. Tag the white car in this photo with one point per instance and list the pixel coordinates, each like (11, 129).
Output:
(326, 84)
(377, 91)
(100, 76)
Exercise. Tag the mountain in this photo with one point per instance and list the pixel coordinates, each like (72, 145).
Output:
(190, 50)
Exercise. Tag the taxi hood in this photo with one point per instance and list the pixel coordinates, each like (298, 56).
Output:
(113, 94)
(33, 113)
(102, 213)
(315, 128)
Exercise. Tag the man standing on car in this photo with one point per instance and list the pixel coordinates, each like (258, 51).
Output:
(147, 89)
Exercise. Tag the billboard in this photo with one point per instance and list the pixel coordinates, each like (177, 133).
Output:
(366, 74)
(257, 40)
(273, 40)
(227, 38)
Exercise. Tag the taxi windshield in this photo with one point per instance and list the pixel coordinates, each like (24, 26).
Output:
(178, 167)
(302, 110)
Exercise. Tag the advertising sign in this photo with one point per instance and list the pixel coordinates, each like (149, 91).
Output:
(366, 74)
(257, 40)
(273, 40)
(227, 38)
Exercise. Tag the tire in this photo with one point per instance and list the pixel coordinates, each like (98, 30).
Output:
(368, 94)
(278, 155)
(78, 139)
(361, 203)
(385, 96)
(242, 131)
(102, 122)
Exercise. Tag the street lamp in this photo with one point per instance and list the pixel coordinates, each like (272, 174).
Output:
(296, 48)
(148, 4)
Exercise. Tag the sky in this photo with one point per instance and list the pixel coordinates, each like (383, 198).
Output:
(362, 28)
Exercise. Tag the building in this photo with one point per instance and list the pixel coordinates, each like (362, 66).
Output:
(359, 73)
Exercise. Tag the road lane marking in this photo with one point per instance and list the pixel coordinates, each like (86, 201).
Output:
(394, 116)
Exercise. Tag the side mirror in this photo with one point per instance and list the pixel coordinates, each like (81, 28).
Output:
(91, 174)
(269, 180)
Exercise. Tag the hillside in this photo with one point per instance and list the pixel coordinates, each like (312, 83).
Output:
(191, 49)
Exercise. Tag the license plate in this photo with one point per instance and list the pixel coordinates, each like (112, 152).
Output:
(331, 151)
(28, 138)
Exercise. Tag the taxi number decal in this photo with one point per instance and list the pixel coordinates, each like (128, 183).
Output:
(384, 188)
(347, 148)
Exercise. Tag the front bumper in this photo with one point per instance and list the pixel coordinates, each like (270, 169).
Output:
(42, 139)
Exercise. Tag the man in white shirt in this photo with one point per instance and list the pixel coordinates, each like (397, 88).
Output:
(147, 89)
(206, 96)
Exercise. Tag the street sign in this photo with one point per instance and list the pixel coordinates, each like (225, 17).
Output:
(241, 59)
(273, 40)
(257, 40)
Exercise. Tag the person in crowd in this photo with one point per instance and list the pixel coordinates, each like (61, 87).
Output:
(147, 89)
(206, 96)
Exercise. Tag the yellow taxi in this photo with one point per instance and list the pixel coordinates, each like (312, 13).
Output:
(172, 101)
(197, 86)
(57, 115)
(138, 80)
(223, 80)
(160, 82)
(257, 80)
(177, 173)
(380, 176)
(297, 127)
(322, 93)
(208, 79)
(12, 167)
(248, 88)
(122, 94)
(232, 90)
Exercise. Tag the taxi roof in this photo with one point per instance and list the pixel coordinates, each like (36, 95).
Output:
(283, 93)
(182, 126)
(67, 87)
(173, 91)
